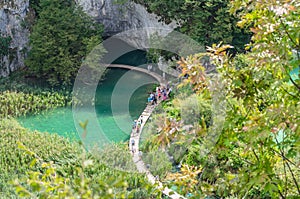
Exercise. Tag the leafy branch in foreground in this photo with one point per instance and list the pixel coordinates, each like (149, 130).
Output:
(48, 182)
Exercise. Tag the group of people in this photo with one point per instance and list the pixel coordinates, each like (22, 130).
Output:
(136, 127)
(161, 93)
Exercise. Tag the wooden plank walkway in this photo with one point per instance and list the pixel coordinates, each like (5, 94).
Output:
(156, 76)
(135, 137)
(141, 167)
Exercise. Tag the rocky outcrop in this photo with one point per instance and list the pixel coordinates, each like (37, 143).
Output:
(120, 17)
(13, 15)
(116, 18)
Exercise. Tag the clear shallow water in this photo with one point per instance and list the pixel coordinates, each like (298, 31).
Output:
(60, 120)
(295, 73)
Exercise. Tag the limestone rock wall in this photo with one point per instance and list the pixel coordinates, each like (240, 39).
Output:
(13, 15)
(118, 18)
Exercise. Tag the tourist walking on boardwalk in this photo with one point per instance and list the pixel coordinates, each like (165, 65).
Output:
(169, 91)
(164, 96)
(132, 146)
(159, 93)
(141, 119)
(138, 127)
(152, 96)
(156, 178)
(149, 99)
(134, 124)
(154, 100)
(140, 155)
(149, 67)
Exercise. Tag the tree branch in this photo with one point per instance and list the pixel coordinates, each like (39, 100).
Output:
(293, 176)
(255, 155)
(289, 167)
(294, 83)
(285, 174)
(297, 46)
(289, 93)
(288, 34)
(285, 158)
(244, 160)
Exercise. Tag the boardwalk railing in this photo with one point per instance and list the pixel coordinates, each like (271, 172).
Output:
(156, 76)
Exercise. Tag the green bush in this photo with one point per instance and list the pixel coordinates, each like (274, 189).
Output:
(159, 163)
(15, 163)
(177, 151)
(115, 156)
(42, 165)
(4, 45)
(16, 104)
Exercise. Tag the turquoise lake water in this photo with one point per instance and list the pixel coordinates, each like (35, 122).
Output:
(295, 73)
(61, 121)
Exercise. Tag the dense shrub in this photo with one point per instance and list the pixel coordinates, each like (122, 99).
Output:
(15, 162)
(4, 45)
(15, 104)
(158, 163)
(46, 165)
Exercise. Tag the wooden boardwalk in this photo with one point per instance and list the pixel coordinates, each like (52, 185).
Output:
(156, 76)
(134, 149)
(135, 137)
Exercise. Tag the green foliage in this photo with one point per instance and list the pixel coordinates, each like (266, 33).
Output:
(116, 156)
(172, 123)
(91, 179)
(177, 151)
(276, 34)
(158, 161)
(257, 152)
(207, 21)
(4, 45)
(18, 98)
(187, 175)
(50, 184)
(16, 104)
(253, 154)
(42, 165)
(61, 37)
(15, 163)
(34, 4)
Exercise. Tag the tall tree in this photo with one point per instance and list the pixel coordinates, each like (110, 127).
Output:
(61, 38)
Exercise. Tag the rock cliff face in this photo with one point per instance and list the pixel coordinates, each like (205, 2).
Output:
(116, 18)
(13, 24)
(120, 17)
